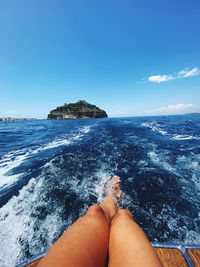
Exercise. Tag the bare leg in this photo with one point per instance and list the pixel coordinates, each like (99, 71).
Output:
(128, 244)
(86, 242)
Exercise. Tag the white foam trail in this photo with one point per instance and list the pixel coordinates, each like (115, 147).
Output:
(17, 223)
(192, 165)
(65, 139)
(9, 162)
(172, 220)
(161, 160)
(91, 185)
(9, 235)
(103, 178)
(15, 158)
(155, 127)
(192, 237)
(184, 137)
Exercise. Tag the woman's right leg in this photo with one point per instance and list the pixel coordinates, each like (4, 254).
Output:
(128, 245)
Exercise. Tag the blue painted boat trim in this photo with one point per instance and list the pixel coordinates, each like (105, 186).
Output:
(32, 259)
(183, 248)
(168, 245)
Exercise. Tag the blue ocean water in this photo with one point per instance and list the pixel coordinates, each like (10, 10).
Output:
(51, 171)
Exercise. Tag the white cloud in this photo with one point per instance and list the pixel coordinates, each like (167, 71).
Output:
(175, 109)
(188, 73)
(181, 74)
(160, 78)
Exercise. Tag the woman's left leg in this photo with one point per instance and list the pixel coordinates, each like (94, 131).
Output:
(85, 243)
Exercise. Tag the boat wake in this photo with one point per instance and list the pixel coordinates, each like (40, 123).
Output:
(58, 171)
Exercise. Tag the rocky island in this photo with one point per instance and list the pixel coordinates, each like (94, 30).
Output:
(79, 110)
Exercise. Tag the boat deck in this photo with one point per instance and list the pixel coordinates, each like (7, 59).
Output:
(178, 255)
(170, 256)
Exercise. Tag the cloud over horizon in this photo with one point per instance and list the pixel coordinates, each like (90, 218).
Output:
(180, 75)
(175, 109)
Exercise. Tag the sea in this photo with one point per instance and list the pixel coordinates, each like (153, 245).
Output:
(51, 171)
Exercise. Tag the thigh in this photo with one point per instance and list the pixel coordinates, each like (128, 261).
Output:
(128, 245)
(85, 243)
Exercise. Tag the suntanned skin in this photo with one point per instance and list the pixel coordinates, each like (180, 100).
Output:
(103, 228)
(128, 245)
(85, 243)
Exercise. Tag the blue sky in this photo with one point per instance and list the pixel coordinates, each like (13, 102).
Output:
(128, 57)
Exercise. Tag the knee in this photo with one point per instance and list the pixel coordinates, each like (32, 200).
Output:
(94, 209)
(124, 214)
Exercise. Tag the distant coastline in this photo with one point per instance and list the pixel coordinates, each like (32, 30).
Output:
(17, 119)
(34, 119)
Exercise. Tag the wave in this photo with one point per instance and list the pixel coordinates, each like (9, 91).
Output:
(7, 164)
(17, 157)
(69, 140)
(36, 212)
(161, 159)
(164, 130)
(184, 137)
(155, 127)
(19, 212)
(67, 168)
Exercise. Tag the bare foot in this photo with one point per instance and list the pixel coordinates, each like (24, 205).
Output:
(113, 190)
(110, 205)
